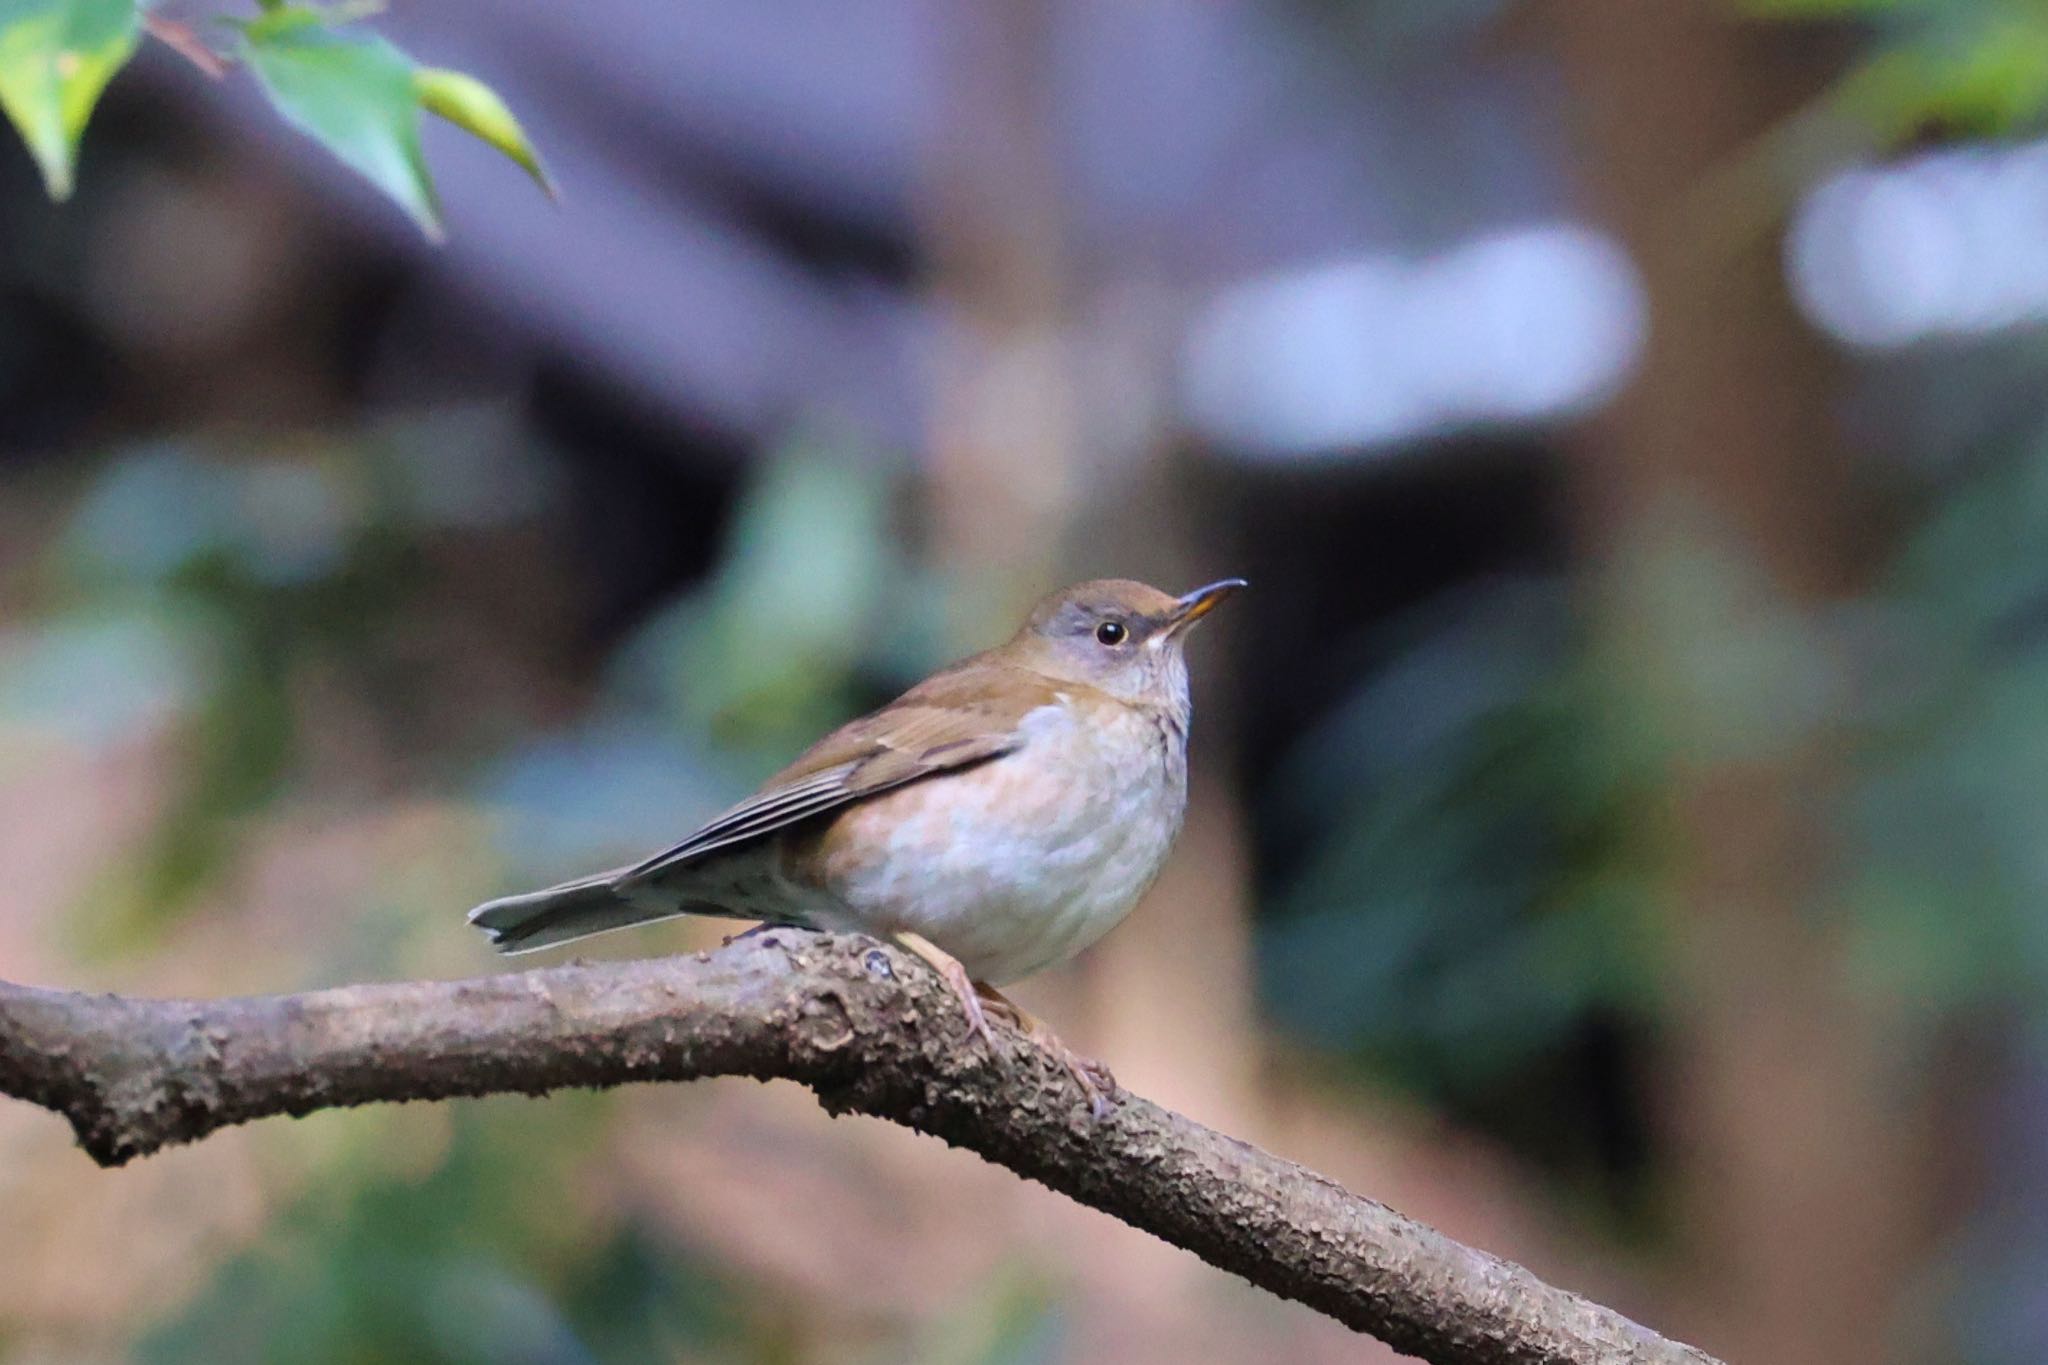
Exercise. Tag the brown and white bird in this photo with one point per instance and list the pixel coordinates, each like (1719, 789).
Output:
(996, 819)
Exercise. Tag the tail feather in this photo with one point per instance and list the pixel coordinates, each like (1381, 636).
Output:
(560, 914)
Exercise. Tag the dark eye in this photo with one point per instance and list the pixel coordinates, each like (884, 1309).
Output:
(1111, 633)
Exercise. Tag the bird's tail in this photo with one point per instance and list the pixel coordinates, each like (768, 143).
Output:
(560, 914)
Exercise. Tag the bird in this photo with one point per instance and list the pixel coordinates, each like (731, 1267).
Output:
(994, 820)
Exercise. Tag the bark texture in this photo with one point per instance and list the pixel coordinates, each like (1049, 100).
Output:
(866, 1028)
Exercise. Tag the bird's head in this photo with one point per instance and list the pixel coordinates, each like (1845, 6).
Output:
(1118, 636)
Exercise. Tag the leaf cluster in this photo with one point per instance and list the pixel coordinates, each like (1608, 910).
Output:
(324, 70)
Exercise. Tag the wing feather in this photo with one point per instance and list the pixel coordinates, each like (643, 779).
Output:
(953, 720)
(757, 815)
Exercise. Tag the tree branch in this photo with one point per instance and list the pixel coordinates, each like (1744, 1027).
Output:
(860, 1024)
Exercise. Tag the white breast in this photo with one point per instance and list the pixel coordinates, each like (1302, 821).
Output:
(1027, 860)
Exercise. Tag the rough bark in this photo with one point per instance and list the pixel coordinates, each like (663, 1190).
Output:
(866, 1029)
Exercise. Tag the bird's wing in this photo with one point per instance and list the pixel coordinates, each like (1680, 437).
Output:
(952, 720)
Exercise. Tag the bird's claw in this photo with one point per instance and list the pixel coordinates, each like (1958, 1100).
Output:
(957, 981)
(979, 1001)
(977, 1018)
(1092, 1076)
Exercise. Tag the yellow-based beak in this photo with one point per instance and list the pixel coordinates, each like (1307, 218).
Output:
(1193, 606)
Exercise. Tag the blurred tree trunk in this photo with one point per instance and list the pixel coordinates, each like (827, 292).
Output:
(1014, 474)
(1802, 1175)
(994, 232)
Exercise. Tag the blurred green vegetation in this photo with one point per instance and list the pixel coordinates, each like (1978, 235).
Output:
(1963, 67)
(1470, 891)
(1478, 891)
(202, 589)
(483, 1256)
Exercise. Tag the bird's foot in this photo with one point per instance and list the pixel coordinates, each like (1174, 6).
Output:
(1092, 1076)
(955, 976)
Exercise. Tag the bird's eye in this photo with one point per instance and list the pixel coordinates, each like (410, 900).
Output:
(1111, 633)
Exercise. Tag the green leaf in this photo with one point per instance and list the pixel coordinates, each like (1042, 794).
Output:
(469, 104)
(361, 97)
(353, 93)
(56, 56)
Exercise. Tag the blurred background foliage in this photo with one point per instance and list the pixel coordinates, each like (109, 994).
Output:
(1619, 810)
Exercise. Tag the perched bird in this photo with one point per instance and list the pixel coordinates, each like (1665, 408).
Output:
(995, 819)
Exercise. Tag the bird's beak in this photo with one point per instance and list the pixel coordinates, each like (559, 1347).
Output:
(1193, 606)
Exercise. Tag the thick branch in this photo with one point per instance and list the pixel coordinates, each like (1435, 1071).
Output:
(864, 1026)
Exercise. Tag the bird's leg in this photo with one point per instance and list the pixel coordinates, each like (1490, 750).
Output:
(1093, 1076)
(955, 976)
